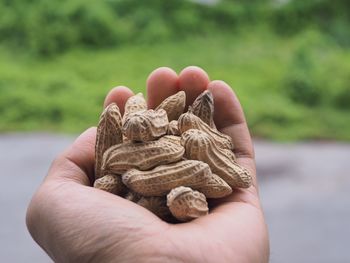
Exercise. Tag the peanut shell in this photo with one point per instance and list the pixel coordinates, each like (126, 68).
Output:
(111, 183)
(203, 107)
(186, 204)
(190, 121)
(141, 155)
(215, 187)
(108, 134)
(174, 105)
(200, 146)
(145, 125)
(160, 180)
(173, 128)
(134, 104)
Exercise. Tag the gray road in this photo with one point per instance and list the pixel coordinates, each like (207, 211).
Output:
(304, 191)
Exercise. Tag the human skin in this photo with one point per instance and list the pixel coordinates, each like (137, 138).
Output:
(74, 222)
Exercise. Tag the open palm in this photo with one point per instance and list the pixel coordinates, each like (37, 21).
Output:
(74, 222)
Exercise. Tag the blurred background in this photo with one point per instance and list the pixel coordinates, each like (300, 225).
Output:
(287, 60)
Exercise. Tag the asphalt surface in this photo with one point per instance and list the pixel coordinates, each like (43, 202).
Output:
(304, 189)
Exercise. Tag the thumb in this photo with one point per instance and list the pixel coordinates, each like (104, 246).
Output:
(76, 163)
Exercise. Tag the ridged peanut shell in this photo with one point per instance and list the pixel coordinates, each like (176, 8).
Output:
(108, 134)
(200, 146)
(215, 187)
(186, 204)
(174, 105)
(111, 183)
(134, 104)
(145, 125)
(190, 121)
(173, 128)
(171, 138)
(141, 155)
(160, 180)
(203, 107)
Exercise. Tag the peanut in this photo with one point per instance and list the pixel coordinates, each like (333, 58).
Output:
(203, 107)
(108, 134)
(145, 125)
(134, 104)
(171, 138)
(150, 154)
(160, 180)
(190, 121)
(174, 105)
(142, 155)
(201, 146)
(173, 128)
(186, 204)
(215, 187)
(111, 183)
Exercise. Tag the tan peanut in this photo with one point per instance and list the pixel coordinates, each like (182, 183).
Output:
(190, 121)
(142, 155)
(160, 180)
(203, 107)
(215, 187)
(173, 128)
(153, 157)
(108, 134)
(200, 146)
(111, 183)
(171, 138)
(145, 125)
(186, 204)
(174, 105)
(134, 104)
(157, 205)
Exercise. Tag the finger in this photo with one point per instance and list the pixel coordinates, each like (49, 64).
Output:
(161, 83)
(76, 163)
(229, 118)
(118, 95)
(193, 80)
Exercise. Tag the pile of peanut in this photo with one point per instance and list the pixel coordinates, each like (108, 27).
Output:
(166, 160)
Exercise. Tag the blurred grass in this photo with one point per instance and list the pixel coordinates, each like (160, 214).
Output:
(65, 93)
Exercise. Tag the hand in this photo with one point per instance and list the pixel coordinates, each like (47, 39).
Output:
(74, 222)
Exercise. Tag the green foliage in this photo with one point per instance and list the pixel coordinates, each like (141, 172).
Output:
(66, 93)
(318, 74)
(287, 60)
(331, 17)
(47, 27)
(300, 83)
